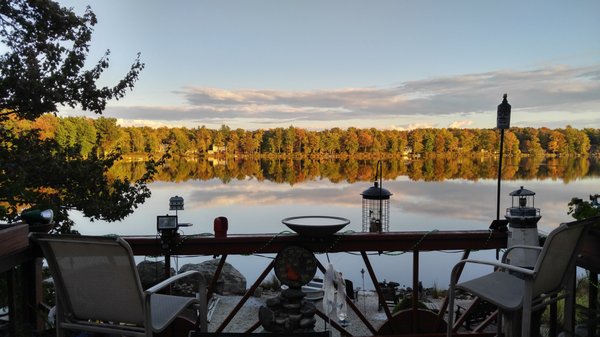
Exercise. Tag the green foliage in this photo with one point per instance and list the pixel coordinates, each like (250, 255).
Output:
(43, 67)
(52, 177)
(581, 301)
(59, 164)
(406, 303)
(580, 209)
(435, 291)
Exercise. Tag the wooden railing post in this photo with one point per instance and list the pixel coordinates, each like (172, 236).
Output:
(25, 298)
(593, 302)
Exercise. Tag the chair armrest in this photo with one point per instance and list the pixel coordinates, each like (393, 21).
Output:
(524, 271)
(505, 255)
(170, 280)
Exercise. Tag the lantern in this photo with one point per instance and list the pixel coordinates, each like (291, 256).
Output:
(376, 206)
(176, 203)
(522, 218)
(503, 114)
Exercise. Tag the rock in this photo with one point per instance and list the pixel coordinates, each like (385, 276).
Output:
(293, 294)
(266, 316)
(292, 307)
(295, 319)
(308, 309)
(273, 302)
(307, 323)
(230, 282)
(151, 272)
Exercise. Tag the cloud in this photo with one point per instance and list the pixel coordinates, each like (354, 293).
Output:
(460, 124)
(455, 98)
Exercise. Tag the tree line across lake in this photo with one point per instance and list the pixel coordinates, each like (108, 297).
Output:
(295, 171)
(104, 135)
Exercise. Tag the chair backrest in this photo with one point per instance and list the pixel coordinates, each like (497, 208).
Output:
(95, 277)
(559, 253)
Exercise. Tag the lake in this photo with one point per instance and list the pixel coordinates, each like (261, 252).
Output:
(255, 202)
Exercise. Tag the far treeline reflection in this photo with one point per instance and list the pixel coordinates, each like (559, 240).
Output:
(294, 171)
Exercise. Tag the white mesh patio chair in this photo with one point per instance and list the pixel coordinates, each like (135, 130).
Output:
(513, 288)
(99, 290)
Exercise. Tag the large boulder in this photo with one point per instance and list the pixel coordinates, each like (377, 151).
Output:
(230, 282)
(152, 272)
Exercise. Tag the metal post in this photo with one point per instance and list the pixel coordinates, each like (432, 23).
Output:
(379, 170)
(502, 123)
(500, 173)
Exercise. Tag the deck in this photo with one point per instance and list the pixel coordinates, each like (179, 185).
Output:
(21, 262)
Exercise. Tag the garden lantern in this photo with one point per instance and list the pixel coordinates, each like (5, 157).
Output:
(522, 218)
(376, 206)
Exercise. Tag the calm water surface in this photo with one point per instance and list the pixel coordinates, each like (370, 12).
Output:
(254, 206)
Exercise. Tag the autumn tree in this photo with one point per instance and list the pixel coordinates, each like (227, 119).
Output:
(530, 142)
(109, 135)
(415, 141)
(439, 141)
(136, 139)
(314, 139)
(330, 141)
(365, 140)
(203, 139)
(511, 144)
(378, 142)
(428, 141)
(289, 140)
(487, 141)
(45, 48)
(250, 144)
(275, 140)
(76, 133)
(594, 137)
(350, 141)
(557, 143)
(152, 142)
(467, 141)
(46, 126)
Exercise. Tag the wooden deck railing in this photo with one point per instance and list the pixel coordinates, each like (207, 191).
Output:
(362, 243)
(23, 263)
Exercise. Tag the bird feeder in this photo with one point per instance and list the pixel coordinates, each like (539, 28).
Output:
(376, 206)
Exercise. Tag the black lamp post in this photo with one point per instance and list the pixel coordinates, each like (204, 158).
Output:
(502, 123)
(376, 205)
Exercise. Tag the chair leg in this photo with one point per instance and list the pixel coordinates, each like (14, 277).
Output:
(569, 309)
(203, 310)
(58, 319)
(526, 315)
(450, 310)
(499, 323)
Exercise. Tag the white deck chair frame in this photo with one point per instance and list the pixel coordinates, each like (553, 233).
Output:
(513, 288)
(99, 290)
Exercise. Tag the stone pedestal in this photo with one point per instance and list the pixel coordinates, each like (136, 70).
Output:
(288, 312)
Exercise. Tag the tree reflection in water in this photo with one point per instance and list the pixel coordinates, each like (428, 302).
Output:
(294, 171)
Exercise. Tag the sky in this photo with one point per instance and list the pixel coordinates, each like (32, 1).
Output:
(322, 64)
